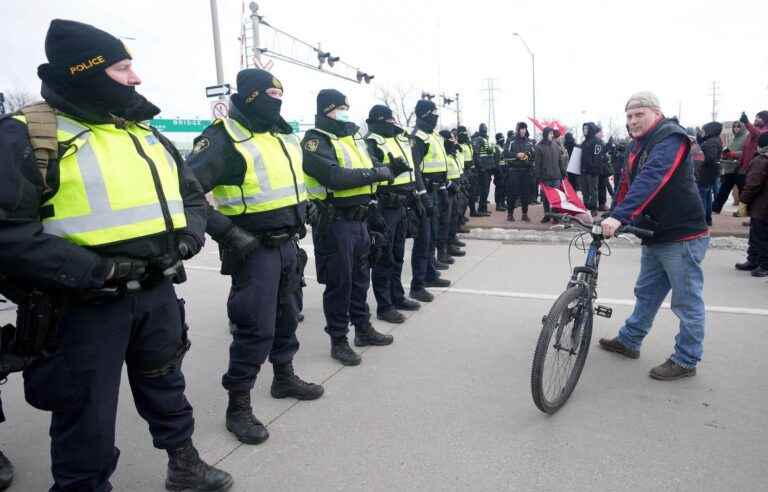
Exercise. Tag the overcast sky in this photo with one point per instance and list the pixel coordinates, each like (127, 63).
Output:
(590, 55)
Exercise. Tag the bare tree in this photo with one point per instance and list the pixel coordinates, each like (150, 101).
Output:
(401, 100)
(16, 100)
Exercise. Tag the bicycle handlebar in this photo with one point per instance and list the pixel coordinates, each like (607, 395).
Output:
(624, 229)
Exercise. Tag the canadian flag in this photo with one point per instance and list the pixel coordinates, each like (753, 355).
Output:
(564, 199)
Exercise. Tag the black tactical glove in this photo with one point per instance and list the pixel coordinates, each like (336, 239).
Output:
(428, 204)
(187, 246)
(382, 173)
(378, 246)
(124, 270)
(398, 165)
(238, 242)
(744, 119)
(313, 214)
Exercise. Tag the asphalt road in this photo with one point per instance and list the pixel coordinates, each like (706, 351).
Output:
(448, 406)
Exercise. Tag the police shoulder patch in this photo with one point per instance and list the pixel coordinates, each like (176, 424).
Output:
(311, 144)
(202, 144)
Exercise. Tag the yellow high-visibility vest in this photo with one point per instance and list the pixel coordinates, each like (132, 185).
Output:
(454, 167)
(398, 146)
(351, 153)
(107, 192)
(273, 178)
(436, 160)
(468, 151)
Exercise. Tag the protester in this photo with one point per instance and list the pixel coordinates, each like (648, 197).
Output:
(548, 162)
(708, 168)
(755, 195)
(729, 165)
(591, 158)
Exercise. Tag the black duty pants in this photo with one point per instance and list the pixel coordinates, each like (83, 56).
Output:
(263, 306)
(386, 275)
(80, 383)
(341, 258)
(519, 181)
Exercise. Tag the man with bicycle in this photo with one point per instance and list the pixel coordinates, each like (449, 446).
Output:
(658, 192)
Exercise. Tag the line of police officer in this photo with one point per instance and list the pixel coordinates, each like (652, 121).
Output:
(99, 229)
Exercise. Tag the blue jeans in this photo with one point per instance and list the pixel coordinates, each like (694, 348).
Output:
(663, 267)
(706, 199)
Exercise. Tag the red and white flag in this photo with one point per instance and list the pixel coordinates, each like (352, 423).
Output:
(564, 199)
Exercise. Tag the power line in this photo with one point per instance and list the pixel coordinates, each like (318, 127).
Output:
(715, 98)
(491, 100)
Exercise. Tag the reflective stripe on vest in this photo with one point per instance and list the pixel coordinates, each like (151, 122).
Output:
(399, 147)
(106, 190)
(273, 162)
(468, 152)
(436, 160)
(351, 153)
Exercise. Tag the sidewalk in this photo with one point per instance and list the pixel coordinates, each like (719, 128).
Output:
(722, 225)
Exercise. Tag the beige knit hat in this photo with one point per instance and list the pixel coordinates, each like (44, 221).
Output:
(643, 99)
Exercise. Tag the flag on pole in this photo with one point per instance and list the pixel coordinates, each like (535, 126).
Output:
(564, 199)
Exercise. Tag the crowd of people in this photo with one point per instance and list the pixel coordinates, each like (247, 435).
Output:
(98, 211)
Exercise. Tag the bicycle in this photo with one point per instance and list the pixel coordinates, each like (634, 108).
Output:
(567, 328)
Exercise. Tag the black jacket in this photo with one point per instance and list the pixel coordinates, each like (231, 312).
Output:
(712, 147)
(592, 155)
(215, 161)
(519, 145)
(419, 149)
(320, 161)
(50, 262)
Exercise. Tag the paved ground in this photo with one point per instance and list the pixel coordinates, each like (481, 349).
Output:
(722, 225)
(448, 406)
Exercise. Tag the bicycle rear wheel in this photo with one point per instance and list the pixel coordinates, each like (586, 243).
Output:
(561, 350)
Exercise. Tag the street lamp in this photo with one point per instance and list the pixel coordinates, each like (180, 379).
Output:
(533, 76)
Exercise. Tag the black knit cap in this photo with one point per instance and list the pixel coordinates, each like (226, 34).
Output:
(330, 99)
(462, 129)
(253, 81)
(762, 140)
(522, 124)
(424, 107)
(380, 113)
(79, 50)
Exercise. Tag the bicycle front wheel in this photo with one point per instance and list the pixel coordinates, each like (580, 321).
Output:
(562, 349)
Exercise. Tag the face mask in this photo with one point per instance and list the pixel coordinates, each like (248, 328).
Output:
(263, 108)
(431, 120)
(342, 116)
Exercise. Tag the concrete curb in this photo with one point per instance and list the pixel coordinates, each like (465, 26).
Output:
(565, 236)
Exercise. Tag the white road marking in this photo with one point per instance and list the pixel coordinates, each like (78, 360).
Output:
(550, 297)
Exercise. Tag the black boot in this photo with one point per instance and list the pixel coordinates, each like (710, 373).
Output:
(421, 295)
(501, 208)
(6, 472)
(455, 251)
(367, 335)
(464, 229)
(187, 472)
(439, 265)
(287, 384)
(342, 352)
(511, 215)
(438, 282)
(458, 242)
(240, 419)
(443, 256)
(391, 316)
(407, 305)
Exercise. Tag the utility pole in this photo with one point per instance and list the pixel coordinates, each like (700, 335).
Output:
(491, 99)
(255, 26)
(458, 111)
(217, 42)
(715, 94)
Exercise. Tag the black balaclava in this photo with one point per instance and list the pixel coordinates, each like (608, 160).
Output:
(450, 145)
(463, 136)
(483, 130)
(327, 101)
(545, 134)
(500, 139)
(75, 75)
(260, 109)
(521, 126)
(377, 122)
(426, 117)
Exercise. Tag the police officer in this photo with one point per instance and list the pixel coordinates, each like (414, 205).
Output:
(431, 161)
(341, 178)
(455, 166)
(500, 175)
(519, 154)
(485, 163)
(470, 173)
(252, 162)
(387, 143)
(102, 228)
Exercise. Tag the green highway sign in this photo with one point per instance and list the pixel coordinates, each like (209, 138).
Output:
(191, 126)
(294, 126)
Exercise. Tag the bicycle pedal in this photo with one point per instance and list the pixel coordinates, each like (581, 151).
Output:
(603, 311)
